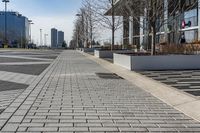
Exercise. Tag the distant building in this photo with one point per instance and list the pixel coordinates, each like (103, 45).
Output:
(60, 38)
(54, 38)
(17, 28)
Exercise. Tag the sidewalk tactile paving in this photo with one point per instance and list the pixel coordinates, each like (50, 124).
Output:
(69, 97)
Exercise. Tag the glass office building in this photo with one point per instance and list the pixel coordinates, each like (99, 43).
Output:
(60, 38)
(17, 28)
(54, 38)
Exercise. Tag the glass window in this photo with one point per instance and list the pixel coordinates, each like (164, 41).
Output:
(191, 15)
(191, 35)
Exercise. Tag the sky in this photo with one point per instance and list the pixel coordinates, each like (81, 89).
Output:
(47, 14)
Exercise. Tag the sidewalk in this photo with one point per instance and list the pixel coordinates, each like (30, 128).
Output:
(69, 96)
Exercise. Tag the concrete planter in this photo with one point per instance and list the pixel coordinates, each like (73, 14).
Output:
(161, 62)
(108, 54)
(87, 49)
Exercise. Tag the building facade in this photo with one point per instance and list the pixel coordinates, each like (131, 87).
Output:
(17, 28)
(54, 38)
(60, 38)
(176, 18)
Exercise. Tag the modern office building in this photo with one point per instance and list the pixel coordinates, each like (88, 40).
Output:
(178, 17)
(54, 38)
(17, 28)
(60, 38)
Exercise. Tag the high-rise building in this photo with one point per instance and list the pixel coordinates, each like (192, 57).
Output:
(54, 38)
(17, 28)
(60, 38)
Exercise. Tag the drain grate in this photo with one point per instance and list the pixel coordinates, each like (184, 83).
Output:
(108, 76)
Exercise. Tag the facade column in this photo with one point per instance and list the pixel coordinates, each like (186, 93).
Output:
(141, 32)
(131, 30)
(166, 20)
(125, 32)
(146, 31)
(198, 20)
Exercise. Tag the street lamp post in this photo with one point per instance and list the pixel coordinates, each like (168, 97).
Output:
(5, 36)
(45, 39)
(41, 37)
(30, 23)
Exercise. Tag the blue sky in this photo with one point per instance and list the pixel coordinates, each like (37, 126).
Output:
(47, 14)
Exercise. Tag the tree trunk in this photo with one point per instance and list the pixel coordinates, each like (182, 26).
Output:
(153, 48)
(113, 27)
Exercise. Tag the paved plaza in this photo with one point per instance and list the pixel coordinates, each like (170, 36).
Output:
(18, 69)
(186, 80)
(75, 94)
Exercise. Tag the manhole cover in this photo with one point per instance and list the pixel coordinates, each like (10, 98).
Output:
(108, 76)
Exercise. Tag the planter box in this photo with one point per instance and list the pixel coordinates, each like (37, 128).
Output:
(108, 54)
(162, 62)
(87, 50)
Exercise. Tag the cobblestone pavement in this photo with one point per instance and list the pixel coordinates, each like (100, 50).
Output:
(187, 80)
(75, 94)
(18, 69)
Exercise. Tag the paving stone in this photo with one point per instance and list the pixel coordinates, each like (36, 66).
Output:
(162, 129)
(31, 124)
(16, 119)
(42, 129)
(5, 116)
(59, 125)
(87, 125)
(103, 129)
(73, 129)
(10, 127)
(22, 129)
(131, 129)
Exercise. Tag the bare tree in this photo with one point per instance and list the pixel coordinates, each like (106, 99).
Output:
(106, 16)
(90, 20)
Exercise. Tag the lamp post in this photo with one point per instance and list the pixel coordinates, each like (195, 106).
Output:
(5, 36)
(41, 37)
(30, 37)
(45, 39)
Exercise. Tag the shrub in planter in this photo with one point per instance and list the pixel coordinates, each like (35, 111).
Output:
(172, 49)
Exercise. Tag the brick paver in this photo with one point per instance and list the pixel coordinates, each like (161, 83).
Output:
(70, 97)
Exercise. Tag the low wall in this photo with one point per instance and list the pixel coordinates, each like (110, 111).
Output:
(122, 60)
(87, 49)
(162, 62)
(103, 54)
(108, 54)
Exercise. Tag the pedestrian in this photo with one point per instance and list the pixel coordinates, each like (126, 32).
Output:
(182, 39)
